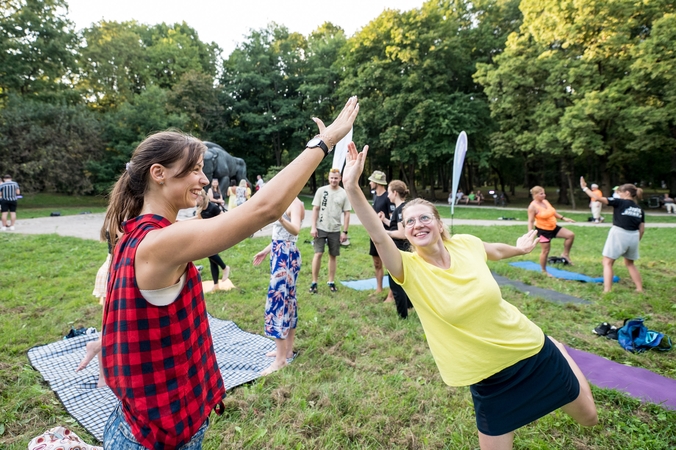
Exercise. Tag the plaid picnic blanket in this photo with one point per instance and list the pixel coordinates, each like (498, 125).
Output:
(240, 355)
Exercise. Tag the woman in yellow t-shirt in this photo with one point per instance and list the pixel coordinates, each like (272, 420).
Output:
(542, 217)
(516, 374)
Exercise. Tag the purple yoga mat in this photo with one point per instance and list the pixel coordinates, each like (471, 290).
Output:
(635, 381)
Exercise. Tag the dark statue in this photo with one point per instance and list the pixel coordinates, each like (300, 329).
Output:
(223, 166)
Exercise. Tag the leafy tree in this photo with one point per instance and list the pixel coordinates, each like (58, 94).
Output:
(413, 73)
(48, 147)
(197, 98)
(653, 119)
(262, 78)
(561, 93)
(37, 49)
(114, 63)
(125, 128)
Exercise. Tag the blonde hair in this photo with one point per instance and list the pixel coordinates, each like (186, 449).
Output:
(243, 183)
(536, 189)
(127, 196)
(445, 235)
(203, 203)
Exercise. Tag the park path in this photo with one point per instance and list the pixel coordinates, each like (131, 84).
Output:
(88, 226)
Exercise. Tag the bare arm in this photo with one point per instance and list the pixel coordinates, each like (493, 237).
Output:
(346, 225)
(260, 256)
(531, 217)
(166, 251)
(524, 245)
(641, 230)
(296, 211)
(386, 249)
(590, 193)
(399, 233)
(315, 218)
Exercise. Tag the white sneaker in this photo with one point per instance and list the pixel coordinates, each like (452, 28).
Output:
(11, 228)
(3, 229)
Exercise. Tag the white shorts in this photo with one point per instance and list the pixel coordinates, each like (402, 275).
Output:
(621, 242)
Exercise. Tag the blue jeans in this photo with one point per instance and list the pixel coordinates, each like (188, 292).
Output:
(117, 434)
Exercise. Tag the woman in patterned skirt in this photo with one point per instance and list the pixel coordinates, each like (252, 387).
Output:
(281, 312)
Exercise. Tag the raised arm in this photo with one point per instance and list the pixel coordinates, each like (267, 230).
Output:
(388, 252)
(531, 217)
(590, 193)
(187, 241)
(296, 213)
(524, 245)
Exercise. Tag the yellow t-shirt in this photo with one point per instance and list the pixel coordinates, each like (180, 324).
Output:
(472, 332)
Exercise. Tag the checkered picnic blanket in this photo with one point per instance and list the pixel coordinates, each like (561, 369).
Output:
(240, 355)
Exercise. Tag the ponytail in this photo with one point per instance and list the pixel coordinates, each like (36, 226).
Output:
(127, 196)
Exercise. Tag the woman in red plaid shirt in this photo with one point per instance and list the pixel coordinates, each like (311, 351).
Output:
(157, 352)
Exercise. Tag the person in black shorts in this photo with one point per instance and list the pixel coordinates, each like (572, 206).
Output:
(8, 195)
(381, 204)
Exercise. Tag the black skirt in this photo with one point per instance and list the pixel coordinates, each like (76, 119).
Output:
(524, 392)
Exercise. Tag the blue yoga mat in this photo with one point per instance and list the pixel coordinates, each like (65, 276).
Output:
(363, 285)
(558, 273)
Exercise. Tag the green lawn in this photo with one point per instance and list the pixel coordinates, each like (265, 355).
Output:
(364, 379)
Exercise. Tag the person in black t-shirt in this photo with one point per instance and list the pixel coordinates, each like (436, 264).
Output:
(625, 234)
(397, 192)
(381, 203)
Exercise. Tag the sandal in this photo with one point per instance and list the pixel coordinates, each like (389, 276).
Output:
(313, 288)
(332, 287)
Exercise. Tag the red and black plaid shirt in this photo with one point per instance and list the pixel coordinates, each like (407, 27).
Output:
(158, 360)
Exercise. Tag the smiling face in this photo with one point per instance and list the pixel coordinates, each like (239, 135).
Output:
(184, 191)
(334, 179)
(421, 226)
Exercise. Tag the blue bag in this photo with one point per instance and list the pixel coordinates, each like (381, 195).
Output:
(636, 338)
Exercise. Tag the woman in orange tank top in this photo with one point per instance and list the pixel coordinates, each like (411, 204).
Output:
(542, 216)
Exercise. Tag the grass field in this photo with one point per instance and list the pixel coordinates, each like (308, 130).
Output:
(364, 378)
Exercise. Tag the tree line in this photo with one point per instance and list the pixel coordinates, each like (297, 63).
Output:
(546, 91)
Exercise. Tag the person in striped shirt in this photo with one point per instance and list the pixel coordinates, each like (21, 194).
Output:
(8, 194)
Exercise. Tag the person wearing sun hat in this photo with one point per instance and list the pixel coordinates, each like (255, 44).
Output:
(383, 207)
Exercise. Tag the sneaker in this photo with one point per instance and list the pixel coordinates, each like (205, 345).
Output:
(332, 287)
(3, 229)
(313, 288)
(11, 228)
(602, 329)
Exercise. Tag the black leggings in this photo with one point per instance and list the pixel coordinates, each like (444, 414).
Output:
(400, 299)
(215, 262)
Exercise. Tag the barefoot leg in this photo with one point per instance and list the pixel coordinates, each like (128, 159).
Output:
(280, 359)
(92, 349)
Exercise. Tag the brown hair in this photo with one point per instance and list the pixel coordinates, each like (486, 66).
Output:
(632, 189)
(400, 188)
(445, 235)
(127, 196)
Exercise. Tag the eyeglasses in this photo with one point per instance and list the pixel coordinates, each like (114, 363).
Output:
(424, 219)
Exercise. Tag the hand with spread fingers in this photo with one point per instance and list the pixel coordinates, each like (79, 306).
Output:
(527, 242)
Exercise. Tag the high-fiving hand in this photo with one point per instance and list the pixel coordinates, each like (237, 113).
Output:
(343, 123)
(354, 164)
(527, 242)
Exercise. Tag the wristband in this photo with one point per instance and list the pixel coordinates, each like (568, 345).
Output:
(345, 232)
